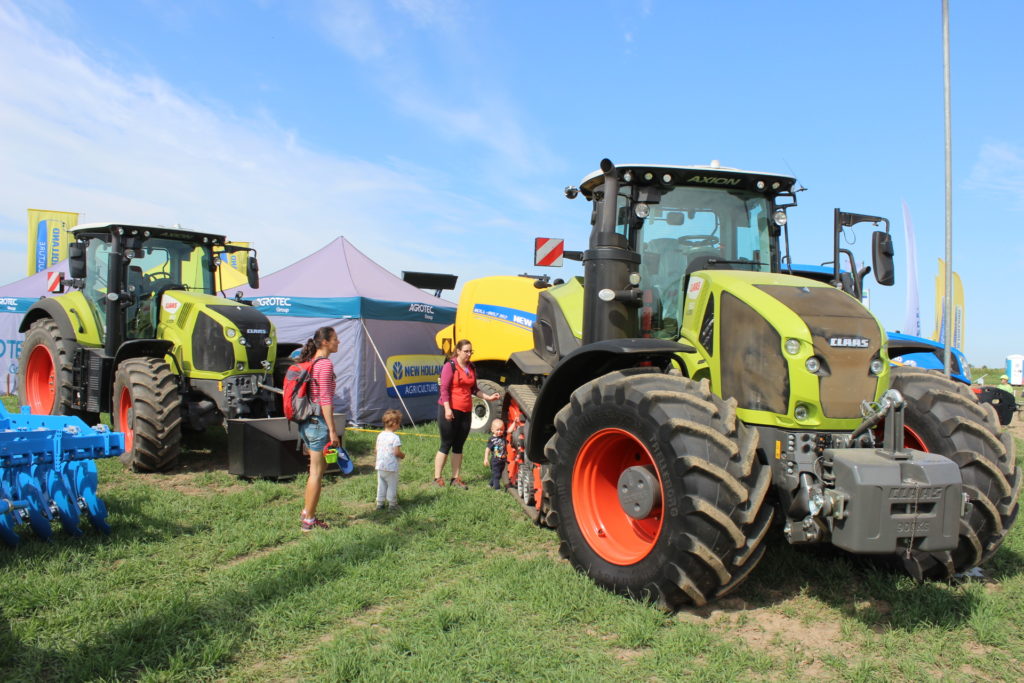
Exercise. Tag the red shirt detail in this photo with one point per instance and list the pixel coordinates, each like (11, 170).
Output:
(458, 386)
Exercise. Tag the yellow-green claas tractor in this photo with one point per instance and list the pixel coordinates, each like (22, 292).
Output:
(711, 398)
(144, 337)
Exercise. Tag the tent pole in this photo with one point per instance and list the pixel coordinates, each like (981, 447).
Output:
(388, 374)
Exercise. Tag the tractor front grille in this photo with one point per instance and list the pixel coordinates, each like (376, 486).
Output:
(753, 369)
(211, 351)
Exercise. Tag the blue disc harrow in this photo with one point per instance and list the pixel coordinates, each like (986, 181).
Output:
(48, 471)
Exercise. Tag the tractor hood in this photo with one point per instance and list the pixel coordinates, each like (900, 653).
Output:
(216, 335)
(776, 342)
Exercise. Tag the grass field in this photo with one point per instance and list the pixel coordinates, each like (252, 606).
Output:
(206, 576)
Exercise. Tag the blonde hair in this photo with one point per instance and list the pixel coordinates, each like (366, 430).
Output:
(392, 418)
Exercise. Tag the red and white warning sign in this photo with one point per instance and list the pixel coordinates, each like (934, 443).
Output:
(53, 280)
(547, 251)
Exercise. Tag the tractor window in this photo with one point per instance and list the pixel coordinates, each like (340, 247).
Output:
(96, 277)
(175, 264)
(696, 228)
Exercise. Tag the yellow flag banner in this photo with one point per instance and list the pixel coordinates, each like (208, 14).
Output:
(940, 294)
(48, 237)
(941, 308)
(958, 311)
(239, 260)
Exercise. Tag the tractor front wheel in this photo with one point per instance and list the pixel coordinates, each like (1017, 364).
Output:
(942, 416)
(657, 488)
(147, 408)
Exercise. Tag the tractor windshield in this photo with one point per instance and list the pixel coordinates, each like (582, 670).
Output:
(174, 264)
(162, 265)
(696, 228)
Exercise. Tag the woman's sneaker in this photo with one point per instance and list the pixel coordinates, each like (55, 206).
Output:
(314, 523)
(458, 482)
(439, 481)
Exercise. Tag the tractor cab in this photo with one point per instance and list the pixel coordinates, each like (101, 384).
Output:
(132, 267)
(682, 219)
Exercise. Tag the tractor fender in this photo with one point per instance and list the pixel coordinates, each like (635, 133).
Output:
(145, 348)
(581, 366)
(49, 308)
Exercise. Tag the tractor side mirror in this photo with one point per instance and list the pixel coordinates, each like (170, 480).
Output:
(76, 260)
(253, 273)
(881, 256)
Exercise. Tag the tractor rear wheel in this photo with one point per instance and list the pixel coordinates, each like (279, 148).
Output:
(657, 489)
(147, 408)
(942, 416)
(44, 374)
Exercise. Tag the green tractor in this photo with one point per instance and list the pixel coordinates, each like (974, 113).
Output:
(145, 338)
(713, 398)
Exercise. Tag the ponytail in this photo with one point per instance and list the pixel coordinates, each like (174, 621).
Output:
(322, 335)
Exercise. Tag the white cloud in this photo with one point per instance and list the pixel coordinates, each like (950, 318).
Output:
(352, 25)
(76, 136)
(483, 115)
(999, 168)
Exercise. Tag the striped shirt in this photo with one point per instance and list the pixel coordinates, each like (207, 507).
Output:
(322, 383)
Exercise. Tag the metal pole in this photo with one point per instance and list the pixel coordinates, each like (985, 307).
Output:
(946, 354)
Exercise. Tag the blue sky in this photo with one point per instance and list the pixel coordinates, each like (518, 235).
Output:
(438, 135)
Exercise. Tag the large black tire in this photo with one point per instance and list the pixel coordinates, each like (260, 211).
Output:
(484, 412)
(44, 372)
(705, 536)
(147, 408)
(943, 416)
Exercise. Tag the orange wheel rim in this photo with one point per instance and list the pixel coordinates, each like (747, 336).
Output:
(912, 439)
(125, 415)
(40, 381)
(611, 533)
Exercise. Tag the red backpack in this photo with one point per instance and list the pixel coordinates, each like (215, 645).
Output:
(298, 406)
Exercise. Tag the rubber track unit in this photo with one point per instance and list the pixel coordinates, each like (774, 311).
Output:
(950, 421)
(715, 515)
(46, 331)
(156, 402)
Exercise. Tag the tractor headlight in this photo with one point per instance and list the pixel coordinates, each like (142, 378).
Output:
(801, 412)
(780, 218)
(230, 332)
(813, 365)
(268, 341)
(877, 365)
(642, 210)
(792, 346)
(241, 340)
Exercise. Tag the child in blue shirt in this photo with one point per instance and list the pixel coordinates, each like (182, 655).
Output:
(494, 455)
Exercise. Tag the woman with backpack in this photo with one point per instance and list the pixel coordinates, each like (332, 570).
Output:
(318, 431)
(455, 406)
